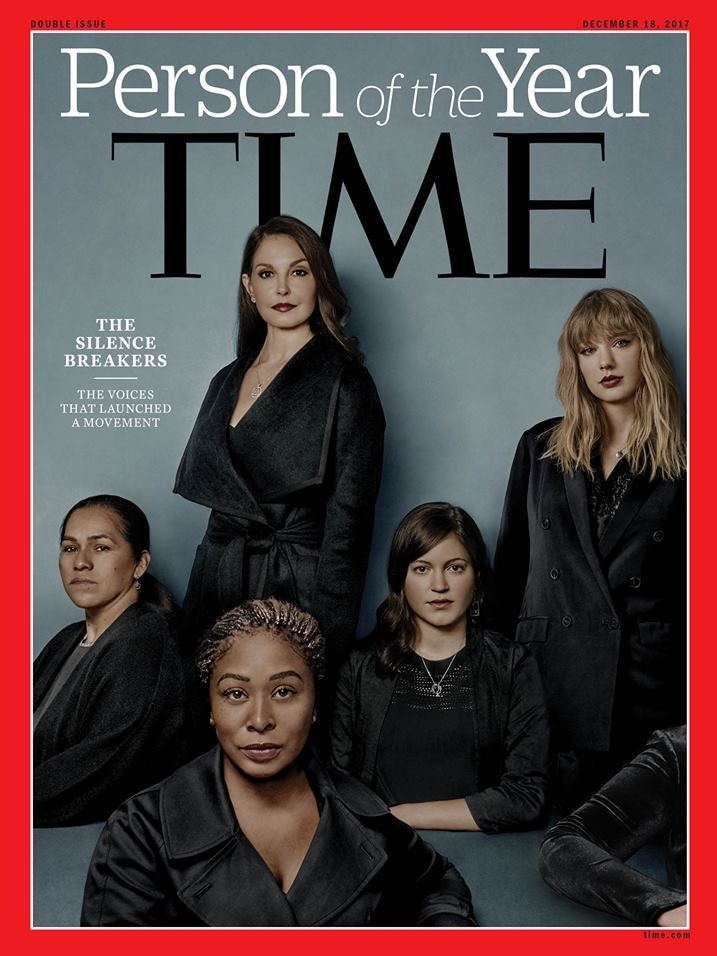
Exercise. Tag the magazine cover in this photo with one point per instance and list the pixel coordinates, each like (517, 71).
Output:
(472, 182)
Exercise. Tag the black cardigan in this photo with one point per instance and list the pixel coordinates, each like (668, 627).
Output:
(583, 857)
(300, 529)
(174, 856)
(607, 620)
(115, 725)
(510, 727)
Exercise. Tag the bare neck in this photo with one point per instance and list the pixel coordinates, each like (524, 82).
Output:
(282, 344)
(436, 643)
(97, 621)
(264, 795)
(618, 419)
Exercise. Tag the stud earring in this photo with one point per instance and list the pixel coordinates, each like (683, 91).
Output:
(211, 721)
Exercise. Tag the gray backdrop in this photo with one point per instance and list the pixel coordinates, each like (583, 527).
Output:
(463, 366)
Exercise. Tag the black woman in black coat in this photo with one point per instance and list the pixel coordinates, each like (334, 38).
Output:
(584, 856)
(256, 832)
(444, 718)
(590, 564)
(287, 447)
(109, 695)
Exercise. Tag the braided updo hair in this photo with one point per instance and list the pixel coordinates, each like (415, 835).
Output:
(298, 628)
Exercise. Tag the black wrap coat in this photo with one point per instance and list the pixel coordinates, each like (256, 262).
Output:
(117, 723)
(294, 519)
(174, 855)
(583, 857)
(510, 726)
(606, 620)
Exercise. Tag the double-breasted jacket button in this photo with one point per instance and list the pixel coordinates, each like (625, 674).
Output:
(555, 573)
(613, 624)
(566, 620)
(634, 582)
(658, 535)
(545, 523)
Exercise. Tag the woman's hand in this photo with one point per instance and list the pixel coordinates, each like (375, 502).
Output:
(674, 917)
(436, 815)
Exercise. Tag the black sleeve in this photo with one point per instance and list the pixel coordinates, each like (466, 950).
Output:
(424, 889)
(343, 724)
(357, 457)
(512, 553)
(125, 886)
(583, 857)
(128, 727)
(519, 799)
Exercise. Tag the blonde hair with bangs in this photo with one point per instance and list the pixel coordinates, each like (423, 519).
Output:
(655, 443)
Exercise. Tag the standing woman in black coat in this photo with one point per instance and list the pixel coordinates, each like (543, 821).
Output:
(590, 563)
(287, 447)
(108, 692)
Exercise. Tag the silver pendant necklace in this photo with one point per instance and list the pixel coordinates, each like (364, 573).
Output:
(257, 390)
(435, 689)
(260, 386)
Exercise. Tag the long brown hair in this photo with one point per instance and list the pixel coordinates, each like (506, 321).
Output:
(655, 443)
(420, 530)
(332, 307)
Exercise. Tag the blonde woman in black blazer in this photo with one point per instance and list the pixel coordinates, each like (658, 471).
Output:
(590, 563)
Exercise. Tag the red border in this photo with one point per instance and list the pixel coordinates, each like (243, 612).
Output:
(369, 15)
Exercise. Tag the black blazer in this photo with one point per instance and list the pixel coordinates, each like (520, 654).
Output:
(175, 856)
(583, 857)
(606, 622)
(296, 520)
(115, 726)
(510, 725)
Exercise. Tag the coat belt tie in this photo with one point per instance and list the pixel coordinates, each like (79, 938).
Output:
(242, 537)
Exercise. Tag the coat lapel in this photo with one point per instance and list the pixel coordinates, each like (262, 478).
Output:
(377, 690)
(286, 433)
(636, 495)
(206, 473)
(70, 637)
(342, 859)
(297, 412)
(236, 888)
(577, 496)
(52, 657)
(224, 880)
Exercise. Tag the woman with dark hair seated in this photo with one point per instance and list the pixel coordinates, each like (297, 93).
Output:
(442, 717)
(583, 857)
(256, 832)
(108, 691)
